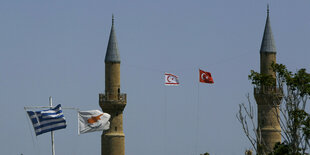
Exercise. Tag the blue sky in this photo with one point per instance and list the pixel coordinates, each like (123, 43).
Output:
(57, 48)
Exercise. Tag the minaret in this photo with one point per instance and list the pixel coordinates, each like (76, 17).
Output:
(268, 98)
(113, 102)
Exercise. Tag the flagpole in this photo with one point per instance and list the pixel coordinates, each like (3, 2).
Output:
(52, 132)
(165, 121)
(197, 119)
(78, 122)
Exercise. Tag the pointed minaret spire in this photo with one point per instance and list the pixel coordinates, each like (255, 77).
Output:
(112, 54)
(112, 19)
(268, 43)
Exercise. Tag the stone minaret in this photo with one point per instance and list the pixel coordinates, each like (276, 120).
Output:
(268, 98)
(113, 102)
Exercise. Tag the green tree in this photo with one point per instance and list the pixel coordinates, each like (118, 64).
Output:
(294, 119)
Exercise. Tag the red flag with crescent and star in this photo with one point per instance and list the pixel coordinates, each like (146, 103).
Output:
(205, 77)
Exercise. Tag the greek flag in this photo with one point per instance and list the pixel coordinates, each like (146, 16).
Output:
(47, 120)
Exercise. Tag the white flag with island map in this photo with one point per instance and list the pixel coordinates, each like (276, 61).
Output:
(171, 80)
(93, 120)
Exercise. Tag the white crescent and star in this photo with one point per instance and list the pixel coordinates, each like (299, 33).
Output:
(204, 76)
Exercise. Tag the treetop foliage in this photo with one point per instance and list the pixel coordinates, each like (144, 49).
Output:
(299, 81)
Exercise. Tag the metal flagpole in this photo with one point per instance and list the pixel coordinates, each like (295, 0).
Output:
(52, 132)
(197, 125)
(165, 121)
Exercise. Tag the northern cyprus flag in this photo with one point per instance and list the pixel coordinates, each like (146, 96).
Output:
(171, 80)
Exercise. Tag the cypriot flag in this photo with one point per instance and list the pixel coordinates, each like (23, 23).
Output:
(93, 120)
(171, 80)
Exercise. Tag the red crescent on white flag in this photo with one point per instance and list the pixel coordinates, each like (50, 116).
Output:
(171, 79)
(168, 77)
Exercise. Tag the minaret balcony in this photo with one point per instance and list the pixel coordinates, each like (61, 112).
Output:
(112, 101)
(268, 90)
(270, 95)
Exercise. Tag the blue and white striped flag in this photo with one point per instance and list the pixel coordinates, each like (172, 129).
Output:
(47, 120)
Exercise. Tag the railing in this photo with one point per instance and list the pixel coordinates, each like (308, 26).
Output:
(268, 90)
(112, 97)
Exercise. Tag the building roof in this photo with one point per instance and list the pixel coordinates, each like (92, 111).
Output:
(268, 43)
(112, 54)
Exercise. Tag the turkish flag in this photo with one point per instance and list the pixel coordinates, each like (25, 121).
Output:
(205, 77)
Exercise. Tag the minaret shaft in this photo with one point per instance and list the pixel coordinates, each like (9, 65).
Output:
(268, 99)
(266, 60)
(112, 80)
